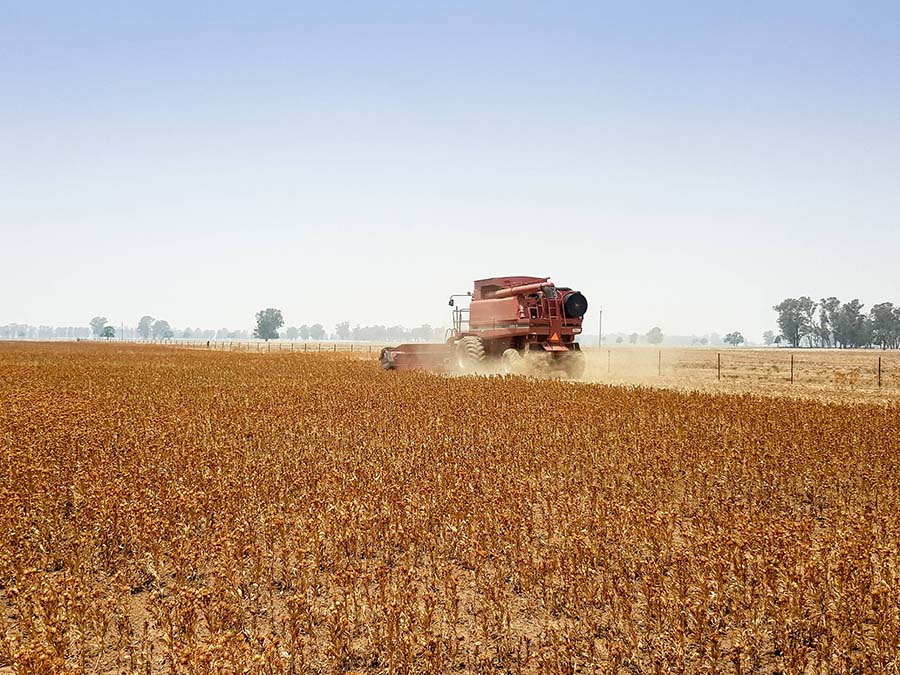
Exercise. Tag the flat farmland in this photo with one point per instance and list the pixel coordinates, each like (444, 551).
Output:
(202, 511)
(826, 374)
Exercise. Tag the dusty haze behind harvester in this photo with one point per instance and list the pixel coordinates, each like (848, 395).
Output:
(516, 324)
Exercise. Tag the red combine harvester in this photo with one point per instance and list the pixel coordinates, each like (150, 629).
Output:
(521, 324)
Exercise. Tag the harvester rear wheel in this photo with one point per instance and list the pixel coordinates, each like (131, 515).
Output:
(511, 361)
(469, 352)
(574, 365)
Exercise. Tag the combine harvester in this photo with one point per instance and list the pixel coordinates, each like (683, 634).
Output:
(516, 324)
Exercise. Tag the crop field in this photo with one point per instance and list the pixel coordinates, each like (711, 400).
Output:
(825, 374)
(170, 510)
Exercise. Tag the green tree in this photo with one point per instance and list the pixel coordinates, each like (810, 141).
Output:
(97, 325)
(108, 332)
(851, 327)
(633, 338)
(655, 336)
(304, 332)
(885, 322)
(161, 330)
(829, 309)
(342, 330)
(795, 318)
(268, 321)
(768, 338)
(145, 327)
(733, 339)
(317, 331)
(291, 333)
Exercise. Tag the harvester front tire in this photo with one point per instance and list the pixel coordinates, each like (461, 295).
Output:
(574, 365)
(511, 361)
(469, 353)
(385, 359)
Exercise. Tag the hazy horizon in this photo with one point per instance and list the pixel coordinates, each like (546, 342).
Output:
(684, 167)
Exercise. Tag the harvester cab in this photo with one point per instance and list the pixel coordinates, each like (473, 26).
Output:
(511, 324)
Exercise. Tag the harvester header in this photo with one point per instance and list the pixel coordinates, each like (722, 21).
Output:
(517, 323)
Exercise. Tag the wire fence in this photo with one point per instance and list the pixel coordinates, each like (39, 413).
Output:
(271, 346)
(821, 367)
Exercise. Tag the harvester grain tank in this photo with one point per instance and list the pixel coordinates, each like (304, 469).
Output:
(516, 323)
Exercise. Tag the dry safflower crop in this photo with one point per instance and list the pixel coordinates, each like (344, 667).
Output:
(173, 511)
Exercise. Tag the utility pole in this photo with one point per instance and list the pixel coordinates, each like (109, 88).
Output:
(600, 329)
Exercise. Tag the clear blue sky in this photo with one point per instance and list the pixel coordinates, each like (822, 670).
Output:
(686, 165)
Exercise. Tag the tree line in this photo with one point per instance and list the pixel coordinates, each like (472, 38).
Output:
(830, 323)
(269, 322)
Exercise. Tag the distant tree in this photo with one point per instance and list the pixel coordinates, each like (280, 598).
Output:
(768, 338)
(317, 331)
(852, 327)
(342, 330)
(108, 332)
(268, 321)
(421, 334)
(829, 311)
(633, 338)
(145, 326)
(655, 336)
(304, 332)
(291, 333)
(733, 339)
(795, 318)
(161, 330)
(885, 323)
(704, 341)
(619, 340)
(187, 333)
(396, 333)
(97, 325)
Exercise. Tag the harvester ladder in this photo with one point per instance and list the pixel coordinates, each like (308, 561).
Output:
(551, 309)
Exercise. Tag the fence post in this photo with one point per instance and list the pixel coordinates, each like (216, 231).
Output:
(608, 361)
(351, 346)
(879, 371)
(719, 366)
(319, 346)
(335, 347)
(792, 369)
(659, 364)
(305, 346)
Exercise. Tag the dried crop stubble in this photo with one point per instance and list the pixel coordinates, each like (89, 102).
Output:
(171, 511)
